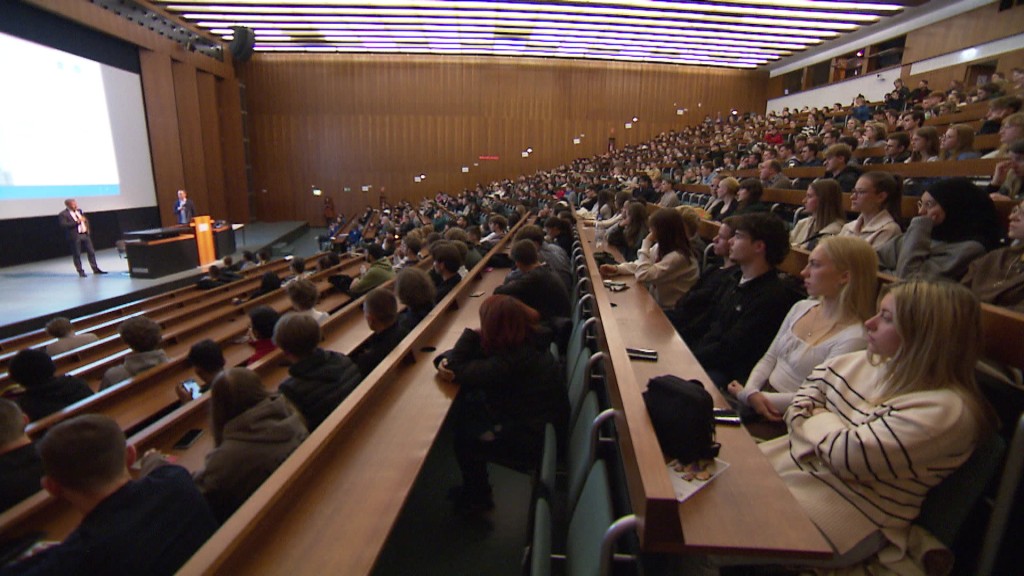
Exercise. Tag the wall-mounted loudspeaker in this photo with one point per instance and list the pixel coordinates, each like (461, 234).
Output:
(242, 44)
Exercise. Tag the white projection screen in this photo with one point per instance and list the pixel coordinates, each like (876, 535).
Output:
(70, 128)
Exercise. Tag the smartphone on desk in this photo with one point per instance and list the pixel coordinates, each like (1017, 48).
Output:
(642, 354)
(727, 417)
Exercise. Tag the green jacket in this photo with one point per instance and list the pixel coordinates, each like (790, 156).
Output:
(378, 273)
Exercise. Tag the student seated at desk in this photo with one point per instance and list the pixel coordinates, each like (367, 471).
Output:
(841, 278)
(998, 277)
(956, 223)
(62, 329)
(207, 359)
(664, 262)
(445, 272)
(143, 336)
(824, 203)
(750, 308)
(380, 309)
(629, 234)
(20, 466)
(303, 295)
(262, 320)
(509, 391)
(253, 433)
(415, 290)
(44, 393)
(691, 315)
(147, 526)
(318, 380)
(378, 272)
(871, 432)
(535, 284)
(877, 197)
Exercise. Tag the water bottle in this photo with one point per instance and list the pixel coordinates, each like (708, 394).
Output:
(599, 239)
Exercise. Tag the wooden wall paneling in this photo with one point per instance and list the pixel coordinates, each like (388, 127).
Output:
(970, 29)
(186, 97)
(381, 120)
(162, 120)
(232, 146)
(211, 145)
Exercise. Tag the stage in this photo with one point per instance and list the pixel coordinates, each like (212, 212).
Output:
(31, 294)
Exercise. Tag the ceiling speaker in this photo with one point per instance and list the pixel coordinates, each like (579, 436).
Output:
(242, 44)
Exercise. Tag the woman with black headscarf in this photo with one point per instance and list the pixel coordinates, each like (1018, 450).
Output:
(956, 223)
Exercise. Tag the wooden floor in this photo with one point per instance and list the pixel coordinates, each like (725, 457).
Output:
(31, 294)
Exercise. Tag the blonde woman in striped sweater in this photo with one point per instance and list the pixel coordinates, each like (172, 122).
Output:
(871, 433)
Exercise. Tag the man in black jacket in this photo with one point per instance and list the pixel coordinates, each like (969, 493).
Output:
(319, 380)
(78, 230)
(381, 312)
(749, 308)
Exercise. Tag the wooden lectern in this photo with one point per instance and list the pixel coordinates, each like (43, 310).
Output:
(204, 239)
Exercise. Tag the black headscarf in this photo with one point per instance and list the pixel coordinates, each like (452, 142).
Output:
(970, 213)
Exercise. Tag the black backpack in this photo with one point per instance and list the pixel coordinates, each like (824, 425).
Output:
(682, 412)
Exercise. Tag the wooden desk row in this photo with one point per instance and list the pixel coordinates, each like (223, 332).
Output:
(330, 507)
(105, 322)
(187, 325)
(153, 392)
(136, 400)
(978, 167)
(793, 198)
(739, 512)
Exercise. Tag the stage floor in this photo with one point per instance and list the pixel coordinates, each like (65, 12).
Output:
(31, 294)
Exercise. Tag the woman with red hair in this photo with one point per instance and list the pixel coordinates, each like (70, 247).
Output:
(509, 389)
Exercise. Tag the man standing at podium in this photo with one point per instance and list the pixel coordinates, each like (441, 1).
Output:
(77, 229)
(184, 208)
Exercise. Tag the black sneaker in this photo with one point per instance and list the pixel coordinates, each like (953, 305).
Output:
(98, 271)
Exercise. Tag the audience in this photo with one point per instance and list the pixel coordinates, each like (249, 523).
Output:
(445, 272)
(415, 290)
(534, 284)
(303, 295)
(151, 525)
(841, 280)
(837, 166)
(253, 433)
(750, 306)
(318, 379)
(958, 143)
(824, 202)
(509, 391)
(553, 257)
(924, 145)
(628, 235)
(1006, 182)
(379, 272)
(44, 393)
(870, 433)
(20, 466)
(998, 277)
(724, 203)
(748, 197)
(262, 320)
(664, 264)
(207, 359)
(956, 223)
(143, 336)
(380, 309)
(62, 329)
(877, 198)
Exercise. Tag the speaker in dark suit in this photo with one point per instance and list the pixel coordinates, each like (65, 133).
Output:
(184, 208)
(77, 229)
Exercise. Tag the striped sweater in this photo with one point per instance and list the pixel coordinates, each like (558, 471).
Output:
(857, 465)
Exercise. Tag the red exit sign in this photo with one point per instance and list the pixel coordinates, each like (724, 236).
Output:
(488, 157)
